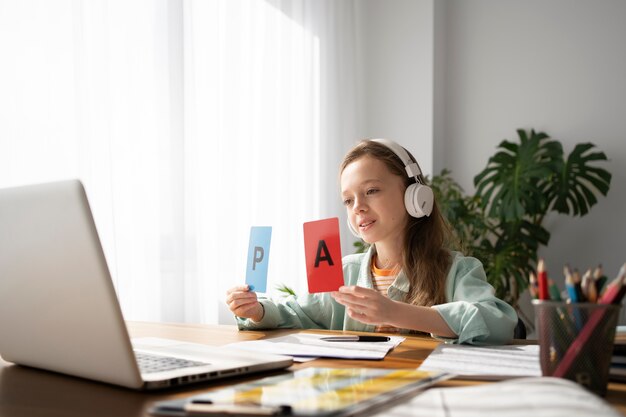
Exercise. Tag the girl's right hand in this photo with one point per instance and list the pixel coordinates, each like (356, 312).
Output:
(244, 303)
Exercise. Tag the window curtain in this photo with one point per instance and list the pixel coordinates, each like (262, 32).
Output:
(188, 122)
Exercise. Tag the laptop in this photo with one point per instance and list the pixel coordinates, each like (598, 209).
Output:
(59, 310)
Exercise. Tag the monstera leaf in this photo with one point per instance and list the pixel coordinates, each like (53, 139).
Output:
(513, 183)
(573, 191)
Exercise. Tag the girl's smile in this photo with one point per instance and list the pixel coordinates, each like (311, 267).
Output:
(365, 225)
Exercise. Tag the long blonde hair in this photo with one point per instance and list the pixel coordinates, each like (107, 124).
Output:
(425, 257)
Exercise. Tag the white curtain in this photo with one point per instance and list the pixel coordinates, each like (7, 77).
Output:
(188, 122)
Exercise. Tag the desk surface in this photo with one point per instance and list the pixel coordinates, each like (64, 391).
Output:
(31, 392)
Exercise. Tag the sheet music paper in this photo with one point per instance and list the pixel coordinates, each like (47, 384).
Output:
(488, 362)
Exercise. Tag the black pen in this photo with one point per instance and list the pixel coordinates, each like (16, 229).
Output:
(356, 338)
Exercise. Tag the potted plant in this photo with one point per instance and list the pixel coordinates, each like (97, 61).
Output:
(502, 223)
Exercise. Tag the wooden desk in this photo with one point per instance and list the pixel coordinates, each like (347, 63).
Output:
(26, 392)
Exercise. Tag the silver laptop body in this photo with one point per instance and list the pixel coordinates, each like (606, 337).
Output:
(58, 307)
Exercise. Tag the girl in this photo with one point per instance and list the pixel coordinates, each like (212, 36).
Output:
(407, 280)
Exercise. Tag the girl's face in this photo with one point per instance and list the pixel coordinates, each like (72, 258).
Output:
(374, 200)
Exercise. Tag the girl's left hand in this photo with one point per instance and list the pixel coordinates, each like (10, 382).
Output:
(366, 305)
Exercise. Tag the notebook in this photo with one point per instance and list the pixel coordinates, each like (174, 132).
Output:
(59, 310)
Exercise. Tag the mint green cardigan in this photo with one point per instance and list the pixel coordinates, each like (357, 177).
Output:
(472, 311)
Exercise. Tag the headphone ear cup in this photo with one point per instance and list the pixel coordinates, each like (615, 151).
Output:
(354, 232)
(418, 200)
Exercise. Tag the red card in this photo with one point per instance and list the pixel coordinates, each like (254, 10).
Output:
(322, 249)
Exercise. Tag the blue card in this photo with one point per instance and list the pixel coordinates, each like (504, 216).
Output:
(258, 258)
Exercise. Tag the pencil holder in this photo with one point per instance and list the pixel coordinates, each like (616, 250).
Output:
(576, 341)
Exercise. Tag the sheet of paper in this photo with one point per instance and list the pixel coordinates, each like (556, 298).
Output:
(537, 397)
(258, 258)
(322, 249)
(311, 345)
(488, 362)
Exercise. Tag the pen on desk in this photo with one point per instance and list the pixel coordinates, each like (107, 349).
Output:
(356, 338)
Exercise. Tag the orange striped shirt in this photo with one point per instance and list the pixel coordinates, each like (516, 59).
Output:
(382, 280)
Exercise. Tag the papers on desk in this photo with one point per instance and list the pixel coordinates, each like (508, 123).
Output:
(489, 362)
(310, 345)
(538, 397)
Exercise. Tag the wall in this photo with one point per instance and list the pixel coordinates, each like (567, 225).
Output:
(558, 67)
(395, 50)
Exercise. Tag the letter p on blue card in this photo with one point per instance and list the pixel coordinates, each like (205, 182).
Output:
(258, 258)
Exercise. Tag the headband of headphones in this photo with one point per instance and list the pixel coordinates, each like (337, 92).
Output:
(411, 166)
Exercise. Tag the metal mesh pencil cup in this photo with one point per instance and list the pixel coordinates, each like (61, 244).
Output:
(576, 341)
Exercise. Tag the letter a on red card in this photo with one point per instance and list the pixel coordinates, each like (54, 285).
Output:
(322, 249)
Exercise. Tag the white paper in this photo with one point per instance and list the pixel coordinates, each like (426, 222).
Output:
(537, 397)
(489, 362)
(311, 345)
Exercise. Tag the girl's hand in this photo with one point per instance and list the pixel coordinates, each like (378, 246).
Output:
(244, 303)
(366, 305)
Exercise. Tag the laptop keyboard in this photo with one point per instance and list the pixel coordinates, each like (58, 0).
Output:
(155, 363)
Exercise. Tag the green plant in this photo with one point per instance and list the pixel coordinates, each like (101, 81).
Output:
(285, 290)
(360, 246)
(502, 223)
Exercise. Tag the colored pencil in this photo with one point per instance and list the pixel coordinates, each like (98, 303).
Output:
(585, 283)
(553, 290)
(578, 286)
(532, 287)
(542, 280)
(600, 279)
(569, 285)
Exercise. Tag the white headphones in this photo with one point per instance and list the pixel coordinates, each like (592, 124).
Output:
(418, 197)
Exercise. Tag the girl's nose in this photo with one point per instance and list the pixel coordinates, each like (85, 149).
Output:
(359, 206)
